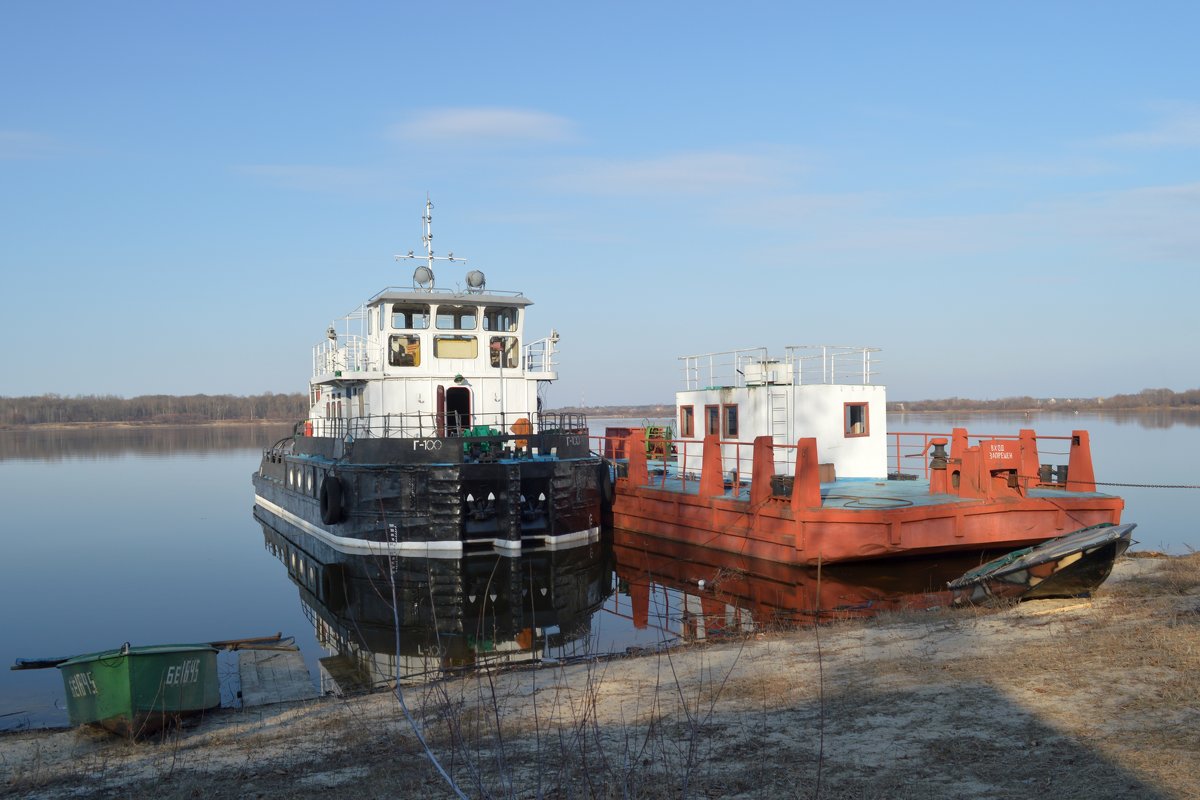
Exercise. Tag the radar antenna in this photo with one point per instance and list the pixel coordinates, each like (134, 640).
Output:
(423, 275)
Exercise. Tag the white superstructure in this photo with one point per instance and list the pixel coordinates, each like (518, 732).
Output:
(418, 356)
(819, 391)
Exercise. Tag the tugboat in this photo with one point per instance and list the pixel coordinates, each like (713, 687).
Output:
(786, 457)
(425, 432)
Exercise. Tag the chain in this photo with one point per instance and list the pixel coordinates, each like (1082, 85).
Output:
(1148, 485)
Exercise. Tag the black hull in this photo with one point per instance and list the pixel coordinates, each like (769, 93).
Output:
(390, 495)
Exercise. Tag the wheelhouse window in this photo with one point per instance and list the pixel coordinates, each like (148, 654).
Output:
(404, 351)
(500, 318)
(712, 420)
(687, 421)
(857, 420)
(410, 316)
(457, 318)
(502, 351)
(455, 347)
(730, 415)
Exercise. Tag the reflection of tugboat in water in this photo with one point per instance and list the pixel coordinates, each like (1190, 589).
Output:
(451, 613)
(699, 592)
(425, 431)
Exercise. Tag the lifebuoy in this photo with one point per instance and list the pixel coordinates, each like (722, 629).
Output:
(331, 500)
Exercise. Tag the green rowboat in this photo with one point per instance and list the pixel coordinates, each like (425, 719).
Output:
(134, 691)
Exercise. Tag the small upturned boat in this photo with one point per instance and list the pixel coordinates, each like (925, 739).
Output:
(137, 691)
(1072, 565)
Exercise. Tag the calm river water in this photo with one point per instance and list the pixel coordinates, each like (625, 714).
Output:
(146, 535)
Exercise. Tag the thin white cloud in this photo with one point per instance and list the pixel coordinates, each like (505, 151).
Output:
(310, 177)
(484, 125)
(17, 145)
(683, 173)
(1180, 128)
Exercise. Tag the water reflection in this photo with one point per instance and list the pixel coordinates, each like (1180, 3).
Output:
(451, 613)
(697, 593)
(57, 444)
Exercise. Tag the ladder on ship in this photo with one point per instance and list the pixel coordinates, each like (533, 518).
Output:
(777, 399)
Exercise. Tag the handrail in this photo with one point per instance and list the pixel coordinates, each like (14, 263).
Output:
(801, 365)
(900, 449)
(425, 424)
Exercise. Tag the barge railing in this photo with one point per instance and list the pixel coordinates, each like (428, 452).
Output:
(909, 455)
(908, 451)
(801, 365)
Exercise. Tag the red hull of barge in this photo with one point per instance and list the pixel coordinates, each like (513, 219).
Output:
(988, 510)
(773, 531)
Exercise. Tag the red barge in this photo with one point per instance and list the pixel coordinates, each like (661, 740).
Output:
(788, 459)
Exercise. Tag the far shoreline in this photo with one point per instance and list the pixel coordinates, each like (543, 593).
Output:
(619, 412)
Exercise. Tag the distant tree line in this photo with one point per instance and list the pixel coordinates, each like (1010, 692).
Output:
(151, 408)
(1145, 399)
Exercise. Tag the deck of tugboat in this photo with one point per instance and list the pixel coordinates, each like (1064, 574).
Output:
(853, 493)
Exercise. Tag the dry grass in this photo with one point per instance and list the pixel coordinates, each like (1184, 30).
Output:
(1079, 699)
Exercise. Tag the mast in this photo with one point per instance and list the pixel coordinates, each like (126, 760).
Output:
(423, 276)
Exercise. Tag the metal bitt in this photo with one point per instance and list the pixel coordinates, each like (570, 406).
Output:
(938, 461)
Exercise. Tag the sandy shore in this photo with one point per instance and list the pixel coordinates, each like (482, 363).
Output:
(1090, 699)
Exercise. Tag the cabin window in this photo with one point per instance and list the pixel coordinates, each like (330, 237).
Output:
(687, 421)
(857, 420)
(730, 414)
(456, 318)
(404, 351)
(502, 351)
(499, 318)
(410, 316)
(712, 420)
(455, 346)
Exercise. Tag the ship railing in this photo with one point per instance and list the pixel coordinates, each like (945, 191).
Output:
(424, 424)
(440, 291)
(831, 364)
(681, 461)
(539, 357)
(909, 452)
(347, 354)
(801, 365)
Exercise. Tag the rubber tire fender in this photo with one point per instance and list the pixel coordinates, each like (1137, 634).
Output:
(331, 500)
(606, 484)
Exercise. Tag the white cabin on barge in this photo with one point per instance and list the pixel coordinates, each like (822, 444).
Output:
(819, 391)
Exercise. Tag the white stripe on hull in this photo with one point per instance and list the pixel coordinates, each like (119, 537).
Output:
(440, 549)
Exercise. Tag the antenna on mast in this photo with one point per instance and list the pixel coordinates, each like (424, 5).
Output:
(423, 275)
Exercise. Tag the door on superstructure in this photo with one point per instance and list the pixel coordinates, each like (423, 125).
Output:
(458, 410)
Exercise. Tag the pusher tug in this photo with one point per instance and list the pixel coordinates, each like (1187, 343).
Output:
(787, 458)
(425, 433)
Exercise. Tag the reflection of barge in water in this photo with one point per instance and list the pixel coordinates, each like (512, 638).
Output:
(720, 593)
(425, 431)
(788, 459)
(478, 610)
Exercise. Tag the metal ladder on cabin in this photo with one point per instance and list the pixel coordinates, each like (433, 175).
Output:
(777, 401)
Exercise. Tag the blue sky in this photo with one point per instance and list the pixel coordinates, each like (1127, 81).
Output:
(1004, 197)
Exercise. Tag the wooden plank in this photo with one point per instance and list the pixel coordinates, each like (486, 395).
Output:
(273, 676)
